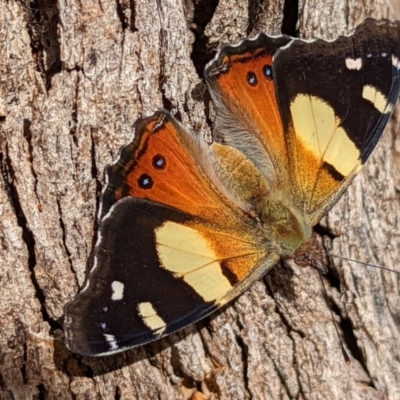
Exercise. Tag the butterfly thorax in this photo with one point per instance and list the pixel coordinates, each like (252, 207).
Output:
(280, 222)
(283, 224)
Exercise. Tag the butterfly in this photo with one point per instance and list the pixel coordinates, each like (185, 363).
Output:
(185, 226)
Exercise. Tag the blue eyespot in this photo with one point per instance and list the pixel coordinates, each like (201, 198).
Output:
(145, 181)
(159, 162)
(267, 69)
(252, 78)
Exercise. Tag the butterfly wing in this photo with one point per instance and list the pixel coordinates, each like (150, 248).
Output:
(318, 107)
(335, 104)
(171, 247)
(240, 80)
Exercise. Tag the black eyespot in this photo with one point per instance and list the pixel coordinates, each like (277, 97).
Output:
(252, 78)
(267, 69)
(145, 181)
(159, 162)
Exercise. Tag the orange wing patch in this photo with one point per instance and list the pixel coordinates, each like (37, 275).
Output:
(248, 90)
(161, 168)
(239, 251)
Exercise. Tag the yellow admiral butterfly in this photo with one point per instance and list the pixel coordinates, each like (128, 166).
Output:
(186, 226)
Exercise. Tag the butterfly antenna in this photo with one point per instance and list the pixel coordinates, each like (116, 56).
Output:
(344, 352)
(362, 263)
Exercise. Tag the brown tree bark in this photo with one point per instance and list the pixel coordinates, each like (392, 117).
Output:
(75, 75)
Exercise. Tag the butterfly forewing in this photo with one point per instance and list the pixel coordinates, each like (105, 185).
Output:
(171, 247)
(240, 79)
(331, 128)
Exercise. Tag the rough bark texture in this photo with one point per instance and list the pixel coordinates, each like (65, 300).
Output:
(74, 77)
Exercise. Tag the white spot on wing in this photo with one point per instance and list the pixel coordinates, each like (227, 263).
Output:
(118, 290)
(111, 341)
(150, 318)
(352, 63)
(395, 62)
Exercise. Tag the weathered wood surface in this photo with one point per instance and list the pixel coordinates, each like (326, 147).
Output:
(74, 77)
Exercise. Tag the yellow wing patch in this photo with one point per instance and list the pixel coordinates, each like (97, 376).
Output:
(150, 318)
(185, 252)
(318, 127)
(377, 98)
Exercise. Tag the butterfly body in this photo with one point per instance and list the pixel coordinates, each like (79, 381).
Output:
(276, 217)
(186, 226)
